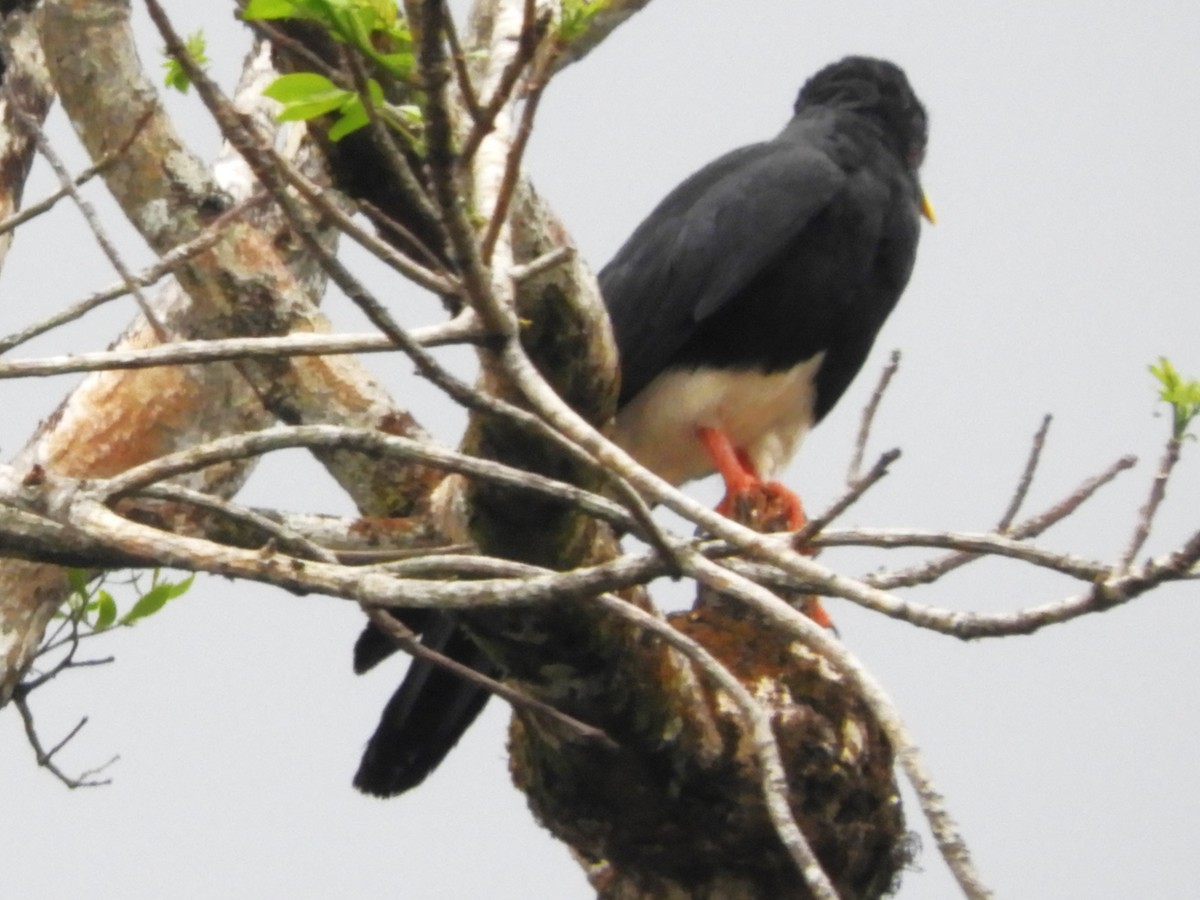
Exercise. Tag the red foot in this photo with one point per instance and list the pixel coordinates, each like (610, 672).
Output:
(814, 610)
(764, 505)
(747, 497)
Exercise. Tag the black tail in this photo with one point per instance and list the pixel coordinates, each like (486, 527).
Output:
(426, 716)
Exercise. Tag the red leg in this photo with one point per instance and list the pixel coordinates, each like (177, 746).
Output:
(751, 500)
(733, 464)
(747, 463)
(744, 485)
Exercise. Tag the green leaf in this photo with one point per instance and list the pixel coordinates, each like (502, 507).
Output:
(156, 598)
(269, 9)
(78, 580)
(354, 116)
(175, 76)
(1183, 396)
(106, 612)
(305, 95)
(577, 18)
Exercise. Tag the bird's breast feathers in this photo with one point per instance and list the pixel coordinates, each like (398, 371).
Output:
(767, 414)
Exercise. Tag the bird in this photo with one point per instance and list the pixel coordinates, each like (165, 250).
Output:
(742, 307)
(747, 301)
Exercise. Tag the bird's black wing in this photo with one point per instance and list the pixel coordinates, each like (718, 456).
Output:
(709, 238)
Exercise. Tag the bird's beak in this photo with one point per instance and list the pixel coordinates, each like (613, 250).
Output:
(927, 209)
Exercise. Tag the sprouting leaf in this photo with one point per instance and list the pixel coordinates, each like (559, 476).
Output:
(1182, 394)
(175, 76)
(577, 17)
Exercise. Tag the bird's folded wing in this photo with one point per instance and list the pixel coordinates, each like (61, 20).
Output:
(705, 242)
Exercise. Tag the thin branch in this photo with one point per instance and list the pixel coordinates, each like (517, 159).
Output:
(856, 489)
(532, 31)
(45, 758)
(512, 167)
(297, 49)
(1158, 490)
(994, 544)
(868, 417)
(386, 223)
(394, 159)
(166, 264)
(436, 280)
(407, 641)
(335, 437)
(551, 259)
(97, 168)
(33, 210)
(93, 221)
(280, 532)
(1032, 527)
(462, 76)
(1026, 479)
(457, 331)
(607, 18)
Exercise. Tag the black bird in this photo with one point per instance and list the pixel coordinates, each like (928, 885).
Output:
(743, 307)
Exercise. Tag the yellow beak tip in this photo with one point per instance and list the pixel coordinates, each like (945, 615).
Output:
(927, 210)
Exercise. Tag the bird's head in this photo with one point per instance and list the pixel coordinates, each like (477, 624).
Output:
(879, 90)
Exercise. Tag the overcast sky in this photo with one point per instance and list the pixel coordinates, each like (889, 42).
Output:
(1064, 163)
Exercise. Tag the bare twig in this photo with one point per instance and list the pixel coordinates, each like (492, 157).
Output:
(42, 206)
(544, 263)
(45, 758)
(856, 489)
(994, 544)
(1032, 527)
(512, 168)
(147, 277)
(33, 210)
(868, 417)
(93, 221)
(1023, 484)
(461, 330)
(466, 89)
(297, 49)
(484, 117)
(1158, 490)
(334, 437)
(407, 641)
(431, 276)
(284, 536)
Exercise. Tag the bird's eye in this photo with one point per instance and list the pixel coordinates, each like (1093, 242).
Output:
(916, 156)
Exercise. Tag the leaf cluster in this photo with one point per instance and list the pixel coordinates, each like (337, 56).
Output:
(95, 608)
(372, 27)
(1182, 394)
(577, 17)
(175, 76)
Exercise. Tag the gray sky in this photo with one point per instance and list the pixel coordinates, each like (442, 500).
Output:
(1064, 164)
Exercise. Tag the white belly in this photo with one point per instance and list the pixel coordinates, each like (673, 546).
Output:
(765, 415)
